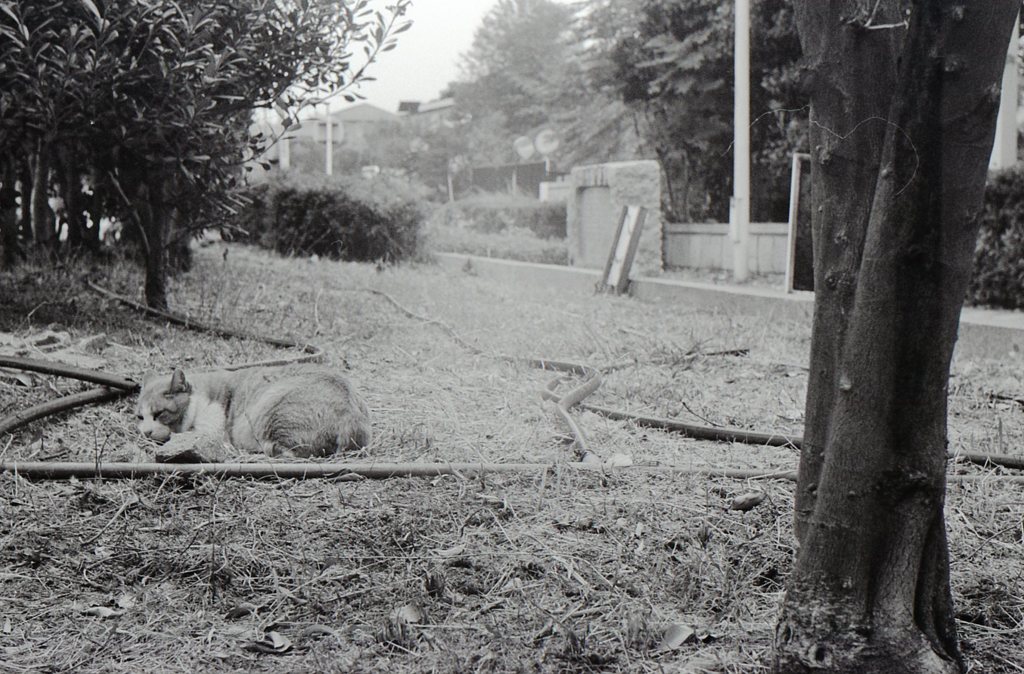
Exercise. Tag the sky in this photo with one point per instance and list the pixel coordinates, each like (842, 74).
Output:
(426, 58)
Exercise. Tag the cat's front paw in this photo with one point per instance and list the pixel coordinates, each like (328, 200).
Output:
(190, 448)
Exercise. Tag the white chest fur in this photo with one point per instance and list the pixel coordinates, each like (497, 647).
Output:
(203, 415)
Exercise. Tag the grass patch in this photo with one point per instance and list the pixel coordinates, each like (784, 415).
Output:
(554, 571)
(511, 244)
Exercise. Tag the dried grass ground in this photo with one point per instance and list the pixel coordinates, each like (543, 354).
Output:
(553, 571)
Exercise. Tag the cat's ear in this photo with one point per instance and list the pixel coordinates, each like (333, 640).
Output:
(178, 383)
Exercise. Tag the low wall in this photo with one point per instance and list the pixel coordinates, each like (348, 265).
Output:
(708, 246)
(984, 333)
(599, 192)
(556, 191)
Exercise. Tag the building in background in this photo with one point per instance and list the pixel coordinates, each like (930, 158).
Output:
(429, 114)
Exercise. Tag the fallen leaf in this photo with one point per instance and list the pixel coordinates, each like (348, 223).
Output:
(675, 636)
(745, 502)
(102, 612)
(272, 643)
(240, 611)
(706, 637)
(7, 628)
(23, 378)
(316, 631)
(448, 553)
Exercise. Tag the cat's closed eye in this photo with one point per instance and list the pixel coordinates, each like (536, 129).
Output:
(165, 417)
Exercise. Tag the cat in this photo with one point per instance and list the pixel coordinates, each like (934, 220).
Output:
(300, 411)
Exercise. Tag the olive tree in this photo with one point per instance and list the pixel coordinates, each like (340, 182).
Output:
(152, 101)
(903, 106)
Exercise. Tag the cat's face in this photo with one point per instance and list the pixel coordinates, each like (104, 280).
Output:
(163, 403)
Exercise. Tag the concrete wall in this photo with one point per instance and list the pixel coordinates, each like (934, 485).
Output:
(599, 192)
(707, 246)
(984, 333)
(560, 190)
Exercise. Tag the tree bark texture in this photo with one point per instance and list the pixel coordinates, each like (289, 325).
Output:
(42, 216)
(903, 117)
(9, 216)
(25, 195)
(70, 183)
(152, 213)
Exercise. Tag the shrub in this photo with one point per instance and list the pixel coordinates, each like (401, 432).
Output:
(339, 217)
(513, 243)
(998, 278)
(499, 212)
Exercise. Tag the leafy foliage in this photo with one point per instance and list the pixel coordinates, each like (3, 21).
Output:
(510, 74)
(998, 278)
(621, 79)
(514, 243)
(423, 152)
(676, 71)
(335, 216)
(151, 102)
(491, 213)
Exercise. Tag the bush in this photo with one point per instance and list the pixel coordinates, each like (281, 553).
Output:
(998, 278)
(493, 213)
(339, 217)
(513, 243)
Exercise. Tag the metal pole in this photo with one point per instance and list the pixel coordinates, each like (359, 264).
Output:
(328, 142)
(284, 154)
(740, 207)
(1004, 148)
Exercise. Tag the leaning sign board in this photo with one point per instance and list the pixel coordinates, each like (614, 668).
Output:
(800, 261)
(620, 258)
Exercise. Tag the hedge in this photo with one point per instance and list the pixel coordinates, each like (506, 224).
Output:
(492, 213)
(513, 243)
(339, 217)
(998, 278)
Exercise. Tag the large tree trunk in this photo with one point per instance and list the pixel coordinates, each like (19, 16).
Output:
(153, 220)
(9, 216)
(70, 181)
(903, 120)
(42, 215)
(25, 195)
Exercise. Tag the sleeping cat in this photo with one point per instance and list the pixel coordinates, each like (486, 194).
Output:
(300, 410)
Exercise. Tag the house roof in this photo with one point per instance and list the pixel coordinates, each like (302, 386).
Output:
(434, 106)
(363, 112)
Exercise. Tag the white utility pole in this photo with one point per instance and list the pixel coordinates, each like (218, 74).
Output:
(328, 142)
(1004, 149)
(739, 211)
(284, 153)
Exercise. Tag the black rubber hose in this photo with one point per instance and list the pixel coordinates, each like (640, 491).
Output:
(65, 370)
(13, 421)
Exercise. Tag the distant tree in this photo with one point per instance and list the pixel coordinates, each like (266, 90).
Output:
(904, 111)
(587, 107)
(676, 71)
(151, 102)
(516, 59)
